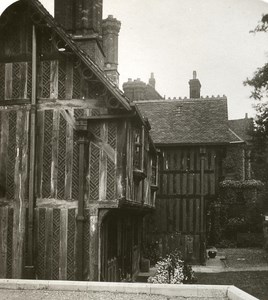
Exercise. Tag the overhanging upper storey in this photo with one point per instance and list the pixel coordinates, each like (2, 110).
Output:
(56, 51)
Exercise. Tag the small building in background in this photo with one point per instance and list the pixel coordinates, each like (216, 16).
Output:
(199, 147)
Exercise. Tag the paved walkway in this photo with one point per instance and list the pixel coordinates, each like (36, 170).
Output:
(213, 265)
(232, 260)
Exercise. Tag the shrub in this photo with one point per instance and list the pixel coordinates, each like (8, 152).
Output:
(242, 184)
(172, 269)
(226, 244)
(236, 210)
(151, 251)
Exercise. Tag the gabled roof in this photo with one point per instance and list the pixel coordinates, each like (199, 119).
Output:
(234, 138)
(187, 121)
(115, 91)
(243, 128)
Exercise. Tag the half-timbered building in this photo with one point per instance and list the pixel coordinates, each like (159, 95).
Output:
(198, 150)
(77, 164)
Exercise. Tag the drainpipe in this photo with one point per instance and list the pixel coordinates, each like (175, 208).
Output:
(29, 268)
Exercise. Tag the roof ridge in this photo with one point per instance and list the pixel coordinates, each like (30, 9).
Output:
(180, 100)
(242, 119)
(200, 98)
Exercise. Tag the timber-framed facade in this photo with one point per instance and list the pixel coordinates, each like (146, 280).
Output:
(197, 150)
(78, 167)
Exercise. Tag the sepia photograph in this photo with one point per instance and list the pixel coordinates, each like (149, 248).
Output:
(134, 149)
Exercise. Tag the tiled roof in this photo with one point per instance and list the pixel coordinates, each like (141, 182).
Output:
(80, 53)
(242, 127)
(234, 138)
(187, 121)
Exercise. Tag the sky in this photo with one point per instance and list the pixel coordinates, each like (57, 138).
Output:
(171, 38)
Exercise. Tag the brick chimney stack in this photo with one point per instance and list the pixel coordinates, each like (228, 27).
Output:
(152, 80)
(64, 14)
(83, 20)
(110, 31)
(195, 87)
(79, 17)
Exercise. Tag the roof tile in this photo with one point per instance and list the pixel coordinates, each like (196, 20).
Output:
(190, 121)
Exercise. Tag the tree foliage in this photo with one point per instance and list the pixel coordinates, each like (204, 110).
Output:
(259, 83)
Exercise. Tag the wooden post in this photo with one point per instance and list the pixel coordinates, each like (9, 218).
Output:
(19, 216)
(102, 214)
(203, 207)
(29, 268)
(142, 148)
(94, 243)
(82, 130)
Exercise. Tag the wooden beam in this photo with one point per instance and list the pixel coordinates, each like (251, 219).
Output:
(48, 242)
(19, 220)
(203, 206)
(105, 117)
(103, 161)
(8, 81)
(55, 152)
(44, 104)
(3, 241)
(15, 58)
(103, 144)
(54, 76)
(102, 214)
(83, 163)
(3, 151)
(121, 160)
(30, 273)
(63, 244)
(14, 102)
(69, 80)
(69, 160)
(93, 246)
